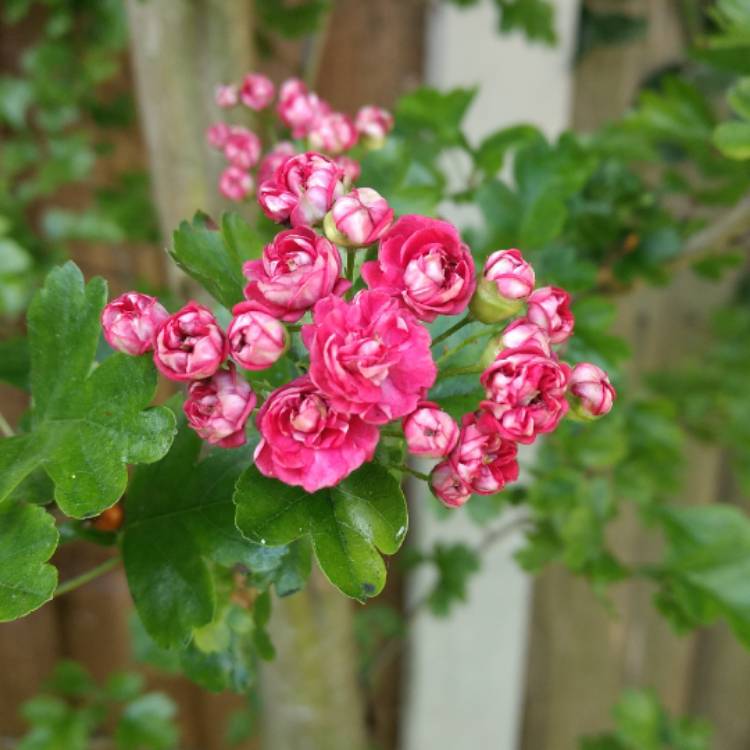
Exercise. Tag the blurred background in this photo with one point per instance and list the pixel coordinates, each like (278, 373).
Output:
(103, 108)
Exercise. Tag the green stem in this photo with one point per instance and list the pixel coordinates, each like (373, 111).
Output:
(294, 327)
(351, 259)
(448, 354)
(89, 575)
(391, 434)
(457, 327)
(5, 427)
(404, 469)
(452, 372)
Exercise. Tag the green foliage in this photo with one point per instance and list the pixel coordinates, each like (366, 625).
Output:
(347, 524)
(73, 709)
(29, 538)
(212, 257)
(598, 28)
(535, 18)
(641, 723)
(87, 424)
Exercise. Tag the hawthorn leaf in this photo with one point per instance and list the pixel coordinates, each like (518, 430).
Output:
(349, 525)
(210, 259)
(28, 538)
(179, 520)
(88, 421)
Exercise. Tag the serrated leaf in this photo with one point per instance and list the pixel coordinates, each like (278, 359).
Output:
(241, 238)
(214, 263)
(86, 424)
(347, 524)
(28, 538)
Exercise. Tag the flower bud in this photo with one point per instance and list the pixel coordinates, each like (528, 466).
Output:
(236, 184)
(358, 219)
(447, 485)
(242, 148)
(130, 322)
(593, 393)
(256, 91)
(226, 96)
(520, 333)
(189, 344)
(506, 281)
(549, 308)
(430, 431)
(217, 134)
(332, 133)
(218, 408)
(256, 339)
(373, 125)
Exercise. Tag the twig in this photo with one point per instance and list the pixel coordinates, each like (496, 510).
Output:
(457, 327)
(5, 427)
(88, 576)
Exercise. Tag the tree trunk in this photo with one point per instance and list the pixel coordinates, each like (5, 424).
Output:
(181, 49)
(581, 656)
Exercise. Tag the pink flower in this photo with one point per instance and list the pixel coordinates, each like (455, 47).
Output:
(424, 262)
(235, 184)
(483, 458)
(217, 134)
(430, 431)
(299, 108)
(296, 270)
(374, 124)
(256, 340)
(218, 407)
(593, 392)
(370, 356)
(242, 148)
(256, 91)
(130, 322)
(332, 133)
(274, 159)
(549, 308)
(350, 167)
(523, 332)
(306, 441)
(526, 392)
(447, 485)
(302, 190)
(190, 345)
(226, 96)
(358, 218)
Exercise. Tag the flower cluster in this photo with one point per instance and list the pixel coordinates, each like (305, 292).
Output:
(301, 115)
(370, 352)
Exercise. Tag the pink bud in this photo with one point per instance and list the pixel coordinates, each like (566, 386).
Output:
(592, 389)
(299, 108)
(430, 431)
(359, 218)
(189, 345)
(549, 308)
(274, 159)
(256, 91)
(522, 333)
(235, 184)
(217, 134)
(447, 485)
(242, 148)
(332, 133)
(130, 322)
(513, 276)
(226, 96)
(350, 167)
(217, 408)
(256, 339)
(374, 124)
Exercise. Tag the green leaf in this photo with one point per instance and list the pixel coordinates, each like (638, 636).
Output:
(28, 538)
(706, 571)
(492, 150)
(14, 362)
(86, 424)
(147, 722)
(292, 19)
(434, 113)
(535, 18)
(733, 139)
(240, 237)
(204, 254)
(739, 98)
(179, 516)
(347, 524)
